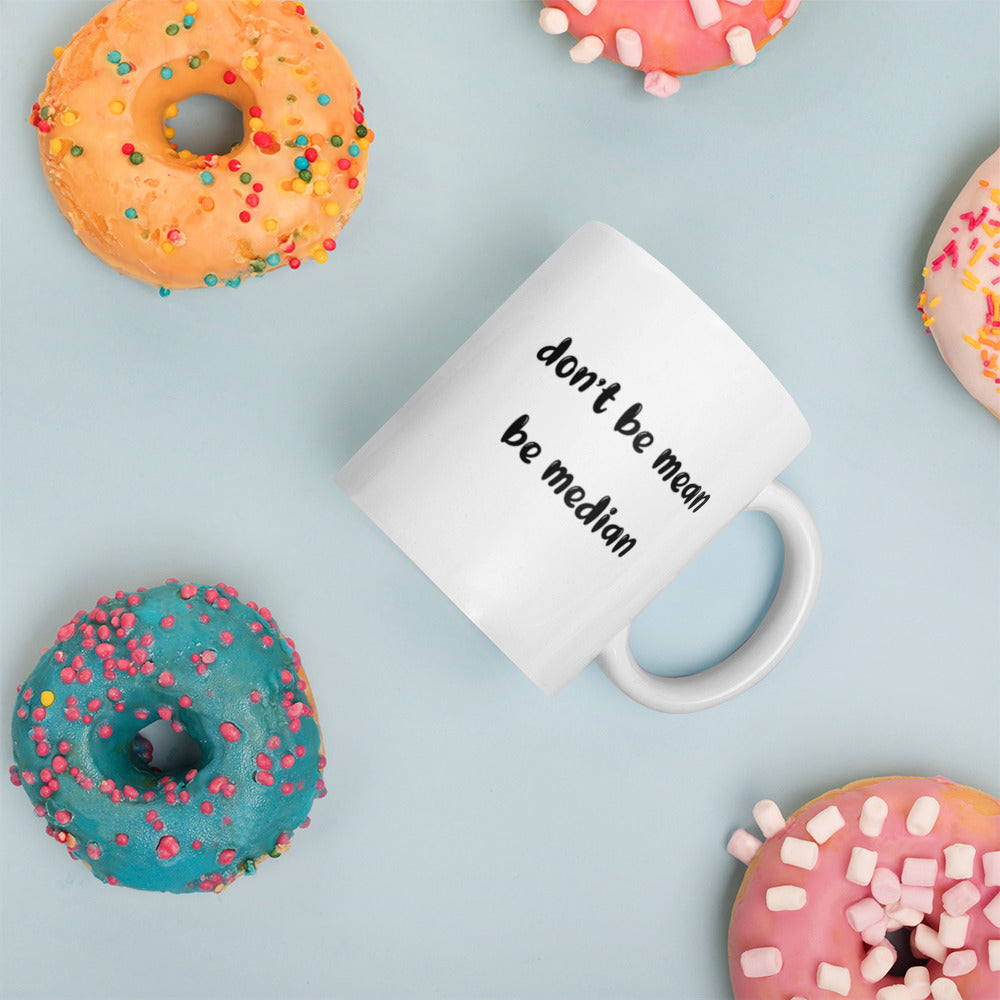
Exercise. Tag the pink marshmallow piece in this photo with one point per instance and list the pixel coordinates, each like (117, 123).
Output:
(660, 84)
(628, 44)
(875, 934)
(863, 914)
(960, 898)
(885, 886)
(992, 910)
(991, 867)
(959, 963)
(919, 871)
(757, 963)
(917, 897)
(743, 846)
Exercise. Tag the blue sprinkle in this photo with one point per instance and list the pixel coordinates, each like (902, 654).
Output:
(188, 20)
(114, 57)
(124, 68)
(301, 140)
(206, 177)
(301, 163)
(130, 213)
(166, 72)
(211, 279)
(164, 292)
(273, 259)
(324, 99)
(234, 282)
(353, 149)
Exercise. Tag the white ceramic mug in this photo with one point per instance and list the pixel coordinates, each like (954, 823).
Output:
(576, 453)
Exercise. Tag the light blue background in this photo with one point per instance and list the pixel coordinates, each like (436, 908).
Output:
(480, 840)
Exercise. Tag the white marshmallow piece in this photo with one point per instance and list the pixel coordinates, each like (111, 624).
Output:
(553, 21)
(960, 963)
(898, 991)
(785, 897)
(799, 853)
(873, 814)
(834, 978)
(953, 931)
(628, 44)
(861, 867)
(585, 7)
(944, 989)
(877, 963)
(589, 48)
(825, 824)
(993, 951)
(863, 914)
(757, 963)
(992, 910)
(958, 860)
(960, 898)
(922, 816)
(991, 868)
(924, 941)
(660, 84)
(706, 12)
(919, 871)
(903, 916)
(918, 981)
(917, 897)
(768, 817)
(885, 886)
(741, 48)
(743, 846)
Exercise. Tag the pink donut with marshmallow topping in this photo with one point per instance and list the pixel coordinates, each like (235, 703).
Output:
(887, 889)
(667, 39)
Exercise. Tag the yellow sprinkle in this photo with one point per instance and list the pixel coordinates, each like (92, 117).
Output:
(256, 124)
(186, 154)
(169, 133)
(969, 340)
(55, 146)
(321, 167)
(250, 61)
(190, 7)
(57, 51)
(935, 301)
(270, 224)
(70, 118)
(171, 111)
(971, 281)
(167, 247)
(363, 143)
(116, 107)
(71, 841)
(321, 187)
(331, 208)
(928, 321)
(299, 185)
(980, 250)
(47, 697)
(995, 195)
(320, 256)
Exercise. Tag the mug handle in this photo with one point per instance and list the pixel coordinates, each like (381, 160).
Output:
(743, 668)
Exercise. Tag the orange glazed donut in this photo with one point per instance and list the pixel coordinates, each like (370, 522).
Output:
(886, 889)
(170, 217)
(667, 39)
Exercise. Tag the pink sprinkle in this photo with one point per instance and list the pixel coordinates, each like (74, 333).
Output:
(263, 777)
(184, 701)
(287, 788)
(65, 632)
(189, 589)
(226, 856)
(104, 731)
(121, 839)
(215, 785)
(93, 851)
(208, 656)
(63, 816)
(264, 761)
(167, 621)
(167, 847)
(229, 732)
(226, 638)
(206, 807)
(164, 712)
(59, 764)
(166, 679)
(273, 743)
(287, 760)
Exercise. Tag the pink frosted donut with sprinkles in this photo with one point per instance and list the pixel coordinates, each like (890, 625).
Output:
(244, 756)
(176, 219)
(887, 889)
(960, 300)
(667, 39)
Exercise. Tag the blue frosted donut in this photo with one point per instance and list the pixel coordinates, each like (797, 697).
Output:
(222, 676)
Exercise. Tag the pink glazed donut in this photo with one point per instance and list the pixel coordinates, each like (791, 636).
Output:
(886, 889)
(667, 39)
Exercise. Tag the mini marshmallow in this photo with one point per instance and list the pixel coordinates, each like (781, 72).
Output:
(861, 867)
(917, 897)
(800, 853)
(585, 7)
(924, 941)
(825, 824)
(994, 955)
(706, 12)
(873, 814)
(834, 978)
(628, 44)
(768, 817)
(960, 963)
(898, 991)
(960, 898)
(885, 886)
(953, 930)
(903, 916)
(863, 913)
(875, 934)
(660, 84)
(757, 963)
(741, 48)
(958, 859)
(919, 871)
(743, 846)
(922, 816)
(945, 989)
(589, 48)
(992, 910)
(877, 963)
(991, 868)
(918, 981)
(785, 897)
(553, 21)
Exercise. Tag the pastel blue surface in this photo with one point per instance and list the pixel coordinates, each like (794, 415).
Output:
(480, 840)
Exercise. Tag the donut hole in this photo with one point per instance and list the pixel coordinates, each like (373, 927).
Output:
(905, 959)
(164, 750)
(207, 125)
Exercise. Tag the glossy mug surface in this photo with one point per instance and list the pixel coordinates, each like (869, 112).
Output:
(576, 453)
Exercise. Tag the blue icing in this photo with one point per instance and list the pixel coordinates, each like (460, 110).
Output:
(197, 660)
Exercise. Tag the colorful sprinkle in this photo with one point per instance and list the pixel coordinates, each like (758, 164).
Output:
(211, 280)
(166, 72)
(131, 213)
(114, 57)
(206, 177)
